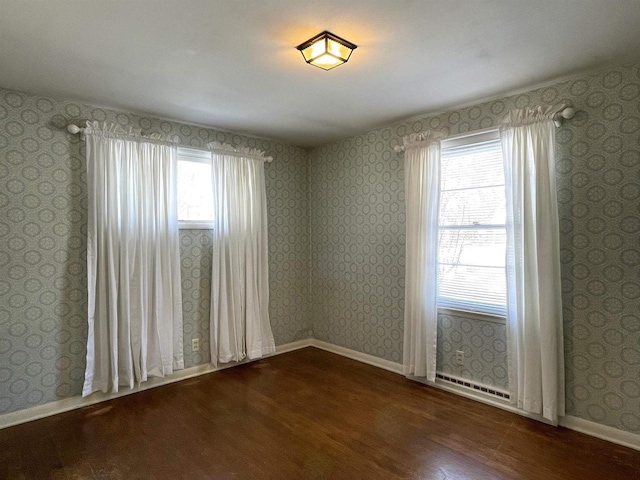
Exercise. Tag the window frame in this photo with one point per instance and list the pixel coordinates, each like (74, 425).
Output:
(196, 155)
(467, 309)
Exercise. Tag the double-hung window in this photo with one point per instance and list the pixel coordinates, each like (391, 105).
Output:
(471, 228)
(195, 193)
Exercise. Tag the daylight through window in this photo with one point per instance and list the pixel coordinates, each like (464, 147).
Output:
(471, 232)
(195, 195)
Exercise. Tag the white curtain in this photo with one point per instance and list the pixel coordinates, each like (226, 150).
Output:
(534, 312)
(422, 197)
(240, 325)
(135, 303)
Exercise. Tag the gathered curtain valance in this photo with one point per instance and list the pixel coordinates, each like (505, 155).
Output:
(422, 139)
(527, 116)
(243, 152)
(115, 131)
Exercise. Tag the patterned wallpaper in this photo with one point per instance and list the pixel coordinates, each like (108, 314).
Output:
(195, 263)
(336, 220)
(43, 225)
(484, 344)
(358, 237)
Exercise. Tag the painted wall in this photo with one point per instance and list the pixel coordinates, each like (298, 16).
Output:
(43, 222)
(358, 237)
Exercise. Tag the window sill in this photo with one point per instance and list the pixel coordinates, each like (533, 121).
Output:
(188, 225)
(485, 317)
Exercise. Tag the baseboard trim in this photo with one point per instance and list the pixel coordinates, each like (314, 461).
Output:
(610, 434)
(604, 432)
(479, 396)
(359, 356)
(72, 403)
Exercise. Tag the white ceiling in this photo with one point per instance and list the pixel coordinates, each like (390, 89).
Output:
(232, 64)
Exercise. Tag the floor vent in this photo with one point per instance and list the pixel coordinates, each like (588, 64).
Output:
(473, 386)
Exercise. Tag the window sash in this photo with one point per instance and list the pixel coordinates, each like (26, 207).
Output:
(203, 157)
(465, 284)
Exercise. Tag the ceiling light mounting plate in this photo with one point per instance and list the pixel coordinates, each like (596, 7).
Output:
(326, 50)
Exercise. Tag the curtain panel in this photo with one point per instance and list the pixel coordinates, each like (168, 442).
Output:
(534, 310)
(422, 187)
(133, 263)
(240, 326)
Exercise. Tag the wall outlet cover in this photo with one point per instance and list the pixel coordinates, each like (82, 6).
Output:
(195, 344)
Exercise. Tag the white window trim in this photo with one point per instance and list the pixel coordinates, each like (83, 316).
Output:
(193, 225)
(477, 136)
(460, 140)
(196, 155)
(481, 316)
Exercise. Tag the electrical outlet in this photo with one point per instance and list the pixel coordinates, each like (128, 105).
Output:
(459, 357)
(195, 344)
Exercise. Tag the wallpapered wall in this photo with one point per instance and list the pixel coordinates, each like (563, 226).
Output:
(350, 196)
(43, 223)
(358, 237)
(484, 343)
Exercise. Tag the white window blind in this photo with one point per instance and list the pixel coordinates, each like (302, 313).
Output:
(472, 234)
(195, 194)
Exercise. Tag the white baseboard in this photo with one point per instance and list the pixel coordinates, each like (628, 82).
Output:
(290, 347)
(603, 432)
(72, 403)
(397, 368)
(359, 356)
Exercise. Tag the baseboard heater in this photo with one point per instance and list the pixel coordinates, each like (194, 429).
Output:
(473, 386)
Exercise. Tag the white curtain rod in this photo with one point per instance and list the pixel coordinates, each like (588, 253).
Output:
(75, 129)
(566, 113)
(240, 154)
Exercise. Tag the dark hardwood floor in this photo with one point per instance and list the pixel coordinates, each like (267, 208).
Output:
(305, 414)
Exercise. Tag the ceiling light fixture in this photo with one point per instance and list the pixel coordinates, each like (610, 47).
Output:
(326, 50)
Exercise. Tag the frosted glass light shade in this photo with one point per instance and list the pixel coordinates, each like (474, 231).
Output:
(326, 50)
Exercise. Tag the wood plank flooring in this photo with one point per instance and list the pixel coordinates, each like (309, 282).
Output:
(307, 414)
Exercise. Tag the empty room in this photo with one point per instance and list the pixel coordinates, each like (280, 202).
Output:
(358, 239)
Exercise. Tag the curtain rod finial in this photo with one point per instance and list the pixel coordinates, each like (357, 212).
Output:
(568, 113)
(73, 129)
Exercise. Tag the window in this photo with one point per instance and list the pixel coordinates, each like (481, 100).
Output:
(195, 195)
(471, 228)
